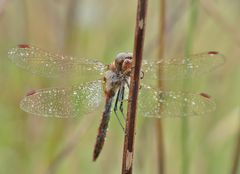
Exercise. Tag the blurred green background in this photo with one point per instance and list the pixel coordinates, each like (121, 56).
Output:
(99, 30)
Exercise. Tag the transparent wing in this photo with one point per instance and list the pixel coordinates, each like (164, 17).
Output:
(64, 102)
(153, 103)
(49, 64)
(191, 66)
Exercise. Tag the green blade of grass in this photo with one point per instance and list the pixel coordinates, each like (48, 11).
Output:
(186, 84)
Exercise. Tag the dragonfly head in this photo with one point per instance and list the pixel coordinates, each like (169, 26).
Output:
(123, 62)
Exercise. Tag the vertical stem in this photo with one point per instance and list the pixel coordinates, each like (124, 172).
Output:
(185, 153)
(236, 158)
(158, 123)
(127, 162)
(185, 124)
(68, 30)
(71, 143)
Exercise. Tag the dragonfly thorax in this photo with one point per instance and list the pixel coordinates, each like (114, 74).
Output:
(112, 81)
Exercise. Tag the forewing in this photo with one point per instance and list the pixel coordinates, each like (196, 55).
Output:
(64, 102)
(153, 103)
(191, 66)
(49, 64)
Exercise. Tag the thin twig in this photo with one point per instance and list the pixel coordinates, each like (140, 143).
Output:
(71, 143)
(127, 163)
(169, 26)
(236, 158)
(159, 126)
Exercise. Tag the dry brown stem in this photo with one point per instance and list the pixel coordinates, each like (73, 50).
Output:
(128, 151)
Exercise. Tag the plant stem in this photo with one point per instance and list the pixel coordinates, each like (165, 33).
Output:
(71, 143)
(69, 25)
(127, 161)
(186, 84)
(236, 158)
(158, 123)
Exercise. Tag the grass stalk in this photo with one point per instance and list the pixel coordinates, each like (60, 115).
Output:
(236, 157)
(71, 143)
(186, 84)
(172, 21)
(158, 123)
(69, 26)
(128, 151)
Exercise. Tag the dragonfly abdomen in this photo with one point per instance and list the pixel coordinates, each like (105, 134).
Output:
(102, 130)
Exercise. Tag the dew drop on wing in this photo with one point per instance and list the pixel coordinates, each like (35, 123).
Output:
(195, 65)
(48, 64)
(64, 102)
(172, 103)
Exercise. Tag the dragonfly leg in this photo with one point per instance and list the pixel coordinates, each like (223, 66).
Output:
(115, 109)
(142, 75)
(127, 83)
(121, 103)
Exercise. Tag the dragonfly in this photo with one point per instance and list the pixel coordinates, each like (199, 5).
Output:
(79, 100)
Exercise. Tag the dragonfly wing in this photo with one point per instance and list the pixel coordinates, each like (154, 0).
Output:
(64, 102)
(153, 103)
(48, 64)
(191, 66)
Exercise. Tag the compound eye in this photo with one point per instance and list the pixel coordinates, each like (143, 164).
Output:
(119, 62)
